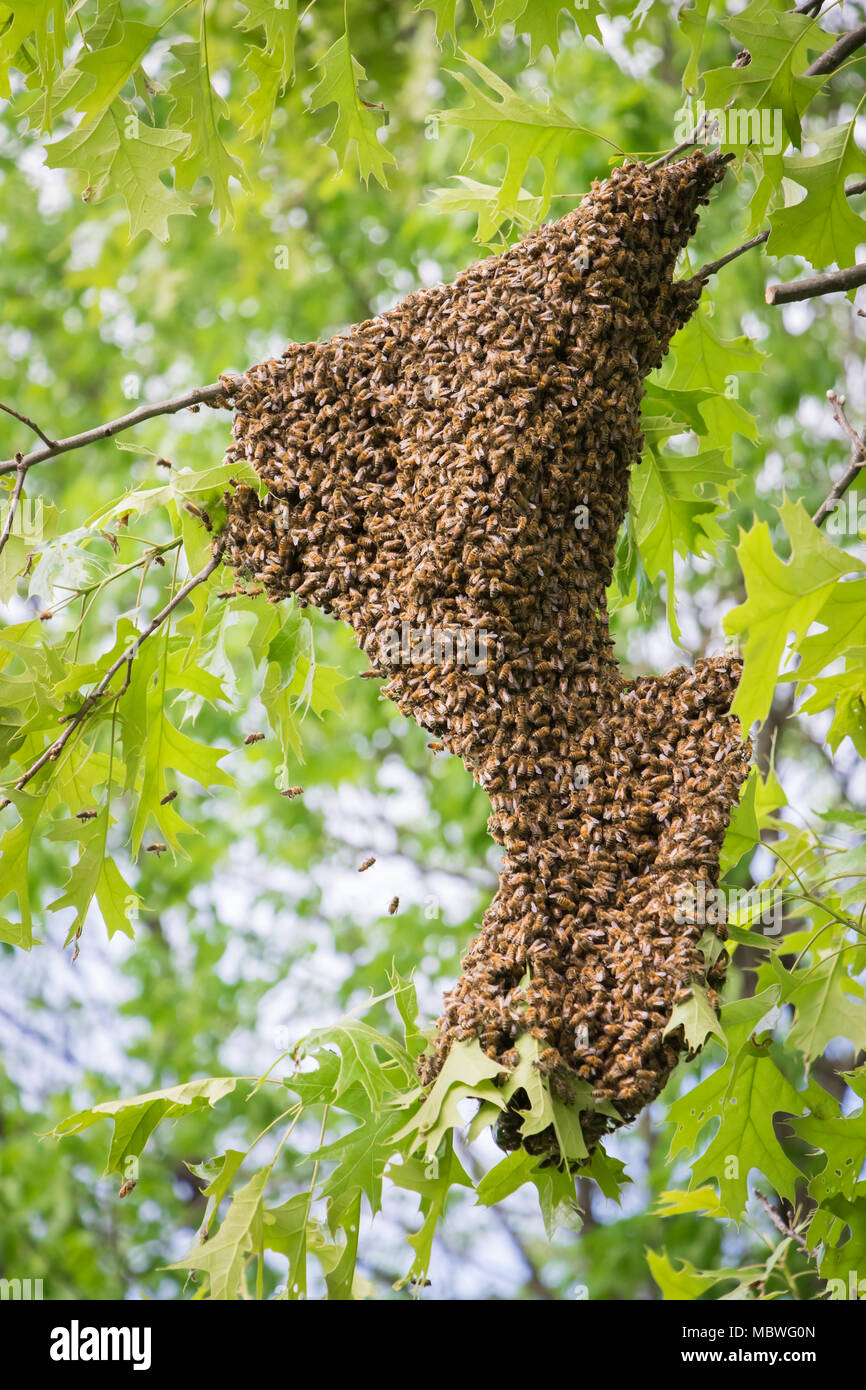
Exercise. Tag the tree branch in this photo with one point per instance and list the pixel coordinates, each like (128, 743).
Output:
(31, 424)
(712, 266)
(779, 1223)
(54, 750)
(811, 286)
(858, 458)
(681, 148)
(218, 394)
(13, 501)
(835, 56)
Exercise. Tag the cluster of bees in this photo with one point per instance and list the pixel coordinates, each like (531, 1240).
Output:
(388, 501)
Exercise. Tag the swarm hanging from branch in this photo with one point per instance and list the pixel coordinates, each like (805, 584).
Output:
(450, 478)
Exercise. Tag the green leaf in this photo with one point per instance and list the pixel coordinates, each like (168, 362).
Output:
(260, 103)
(217, 1173)
(361, 1065)
(45, 20)
(669, 516)
(15, 849)
(843, 617)
(688, 1282)
(120, 154)
(540, 20)
(782, 597)
(153, 747)
(526, 131)
(279, 20)
(846, 694)
(482, 200)
(356, 125)
(361, 1157)
(842, 1259)
(692, 20)
(828, 1002)
(556, 1198)
(780, 43)
(704, 361)
(446, 16)
(110, 66)
(466, 1074)
(225, 1256)
(823, 226)
(743, 1095)
(506, 1177)
(841, 1138)
(286, 1230)
(697, 1018)
(607, 1171)
(433, 1180)
(197, 110)
(136, 1118)
(758, 800)
(674, 1202)
(94, 875)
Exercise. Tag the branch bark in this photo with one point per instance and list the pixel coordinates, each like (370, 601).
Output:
(835, 56)
(31, 424)
(780, 1224)
(712, 266)
(811, 286)
(13, 502)
(858, 458)
(54, 750)
(217, 393)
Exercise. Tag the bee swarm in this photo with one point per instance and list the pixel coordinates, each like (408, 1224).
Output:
(426, 467)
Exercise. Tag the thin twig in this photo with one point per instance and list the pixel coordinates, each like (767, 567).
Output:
(712, 266)
(780, 1224)
(214, 394)
(858, 458)
(838, 404)
(31, 424)
(681, 148)
(811, 286)
(835, 56)
(53, 751)
(13, 501)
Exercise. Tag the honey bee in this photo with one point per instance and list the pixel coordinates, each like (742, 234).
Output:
(393, 905)
(366, 864)
(387, 502)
